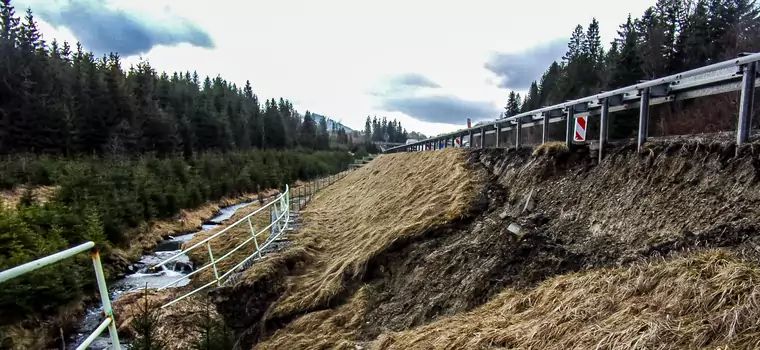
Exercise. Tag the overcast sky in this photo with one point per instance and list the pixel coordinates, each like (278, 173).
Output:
(430, 64)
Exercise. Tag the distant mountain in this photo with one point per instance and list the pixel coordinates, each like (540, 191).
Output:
(330, 122)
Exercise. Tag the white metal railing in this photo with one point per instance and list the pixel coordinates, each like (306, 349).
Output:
(280, 207)
(109, 321)
(740, 74)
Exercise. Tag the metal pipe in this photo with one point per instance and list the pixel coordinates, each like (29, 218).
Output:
(213, 263)
(569, 129)
(105, 299)
(498, 131)
(95, 334)
(744, 129)
(545, 129)
(518, 132)
(603, 128)
(255, 241)
(643, 118)
(42, 262)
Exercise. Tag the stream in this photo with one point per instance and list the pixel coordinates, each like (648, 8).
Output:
(141, 277)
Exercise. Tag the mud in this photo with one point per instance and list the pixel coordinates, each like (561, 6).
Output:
(549, 213)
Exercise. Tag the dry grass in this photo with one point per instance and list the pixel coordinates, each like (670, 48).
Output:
(10, 198)
(176, 322)
(327, 329)
(392, 198)
(550, 148)
(708, 301)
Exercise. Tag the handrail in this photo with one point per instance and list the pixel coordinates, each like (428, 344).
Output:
(175, 256)
(109, 321)
(748, 71)
(281, 207)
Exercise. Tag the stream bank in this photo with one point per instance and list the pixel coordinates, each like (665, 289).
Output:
(139, 276)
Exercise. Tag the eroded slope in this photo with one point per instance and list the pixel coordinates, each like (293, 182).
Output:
(383, 205)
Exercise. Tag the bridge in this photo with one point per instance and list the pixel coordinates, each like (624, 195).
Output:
(740, 74)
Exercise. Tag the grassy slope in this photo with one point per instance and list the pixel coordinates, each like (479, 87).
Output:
(706, 300)
(395, 197)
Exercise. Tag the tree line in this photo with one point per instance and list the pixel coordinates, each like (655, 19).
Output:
(64, 100)
(670, 37)
(375, 130)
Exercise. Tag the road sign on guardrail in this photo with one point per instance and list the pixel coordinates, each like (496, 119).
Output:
(580, 127)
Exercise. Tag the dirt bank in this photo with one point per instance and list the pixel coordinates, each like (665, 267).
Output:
(537, 216)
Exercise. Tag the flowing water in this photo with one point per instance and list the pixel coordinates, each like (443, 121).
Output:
(142, 277)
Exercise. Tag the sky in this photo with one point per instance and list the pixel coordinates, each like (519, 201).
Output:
(429, 64)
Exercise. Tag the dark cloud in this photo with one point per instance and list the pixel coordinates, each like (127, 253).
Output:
(414, 80)
(518, 70)
(441, 109)
(102, 29)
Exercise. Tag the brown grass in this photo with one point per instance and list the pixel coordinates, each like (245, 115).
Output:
(176, 322)
(550, 148)
(228, 241)
(707, 300)
(327, 329)
(392, 198)
(10, 198)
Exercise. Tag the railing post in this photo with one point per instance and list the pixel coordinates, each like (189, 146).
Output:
(518, 131)
(213, 263)
(471, 140)
(643, 118)
(498, 131)
(570, 124)
(545, 129)
(255, 237)
(744, 129)
(603, 128)
(482, 137)
(105, 298)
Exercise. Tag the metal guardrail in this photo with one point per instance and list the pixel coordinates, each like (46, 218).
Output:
(109, 321)
(740, 74)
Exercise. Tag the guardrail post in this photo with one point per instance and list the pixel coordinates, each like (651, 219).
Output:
(518, 131)
(483, 137)
(213, 263)
(643, 117)
(570, 126)
(498, 131)
(604, 126)
(744, 129)
(105, 298)
(545, 128)
(471, 140)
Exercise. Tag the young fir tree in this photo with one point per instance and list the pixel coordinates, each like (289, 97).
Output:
(145, 326)
(211, 333)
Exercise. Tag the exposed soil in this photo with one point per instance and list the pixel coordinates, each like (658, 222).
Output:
(617, 217)
(567, 213)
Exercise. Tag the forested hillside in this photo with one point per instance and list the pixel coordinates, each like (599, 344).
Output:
(122, 148)
(670, 37)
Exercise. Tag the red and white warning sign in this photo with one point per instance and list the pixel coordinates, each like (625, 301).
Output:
(580, 127)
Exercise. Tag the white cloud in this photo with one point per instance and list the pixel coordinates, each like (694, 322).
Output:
(329, 56)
